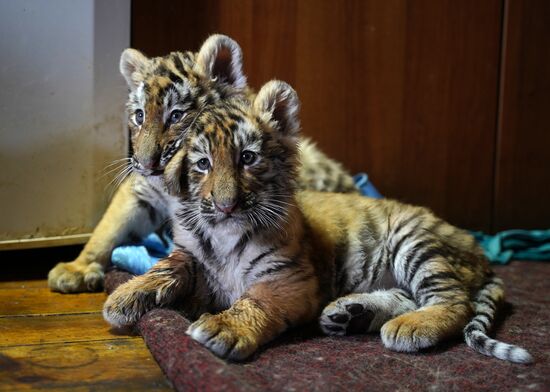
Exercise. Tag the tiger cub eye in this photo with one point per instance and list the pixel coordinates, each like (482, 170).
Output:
(203, 164)
(139, 116)
(175, 116)
(248, 157)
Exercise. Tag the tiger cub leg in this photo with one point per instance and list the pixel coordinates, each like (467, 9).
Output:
(127, 216)
(364, 312)
(444, 309)
(265, 311)
(171, 280)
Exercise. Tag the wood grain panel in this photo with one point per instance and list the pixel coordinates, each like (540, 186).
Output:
(523, 165)
(160, 27)
(272, 53)
(39, 300)
(406, 91)
(351, 74)
(99, 366)
(49, 342)
(264, 30)
(453, 51)
(33, 297)
(16, 331)
(23, 284)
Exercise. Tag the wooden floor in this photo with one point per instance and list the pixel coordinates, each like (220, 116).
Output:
(55, 341)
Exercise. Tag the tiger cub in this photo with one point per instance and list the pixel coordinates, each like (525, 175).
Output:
(165, 94)
(254, 257)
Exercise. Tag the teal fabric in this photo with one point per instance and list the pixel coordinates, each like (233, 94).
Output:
(515, 245)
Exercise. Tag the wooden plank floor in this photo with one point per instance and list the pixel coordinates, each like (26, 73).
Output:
(53, 341)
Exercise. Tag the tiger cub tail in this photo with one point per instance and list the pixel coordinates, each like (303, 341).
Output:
(475, 332)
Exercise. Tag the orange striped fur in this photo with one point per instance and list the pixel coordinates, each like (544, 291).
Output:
(270, 257)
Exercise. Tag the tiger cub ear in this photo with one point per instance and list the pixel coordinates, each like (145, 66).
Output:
(221, 58)
(277, 102)
(132, 62)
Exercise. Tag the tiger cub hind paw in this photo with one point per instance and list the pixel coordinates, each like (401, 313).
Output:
(222, 337)
(75, 277)
(410, 333)
(346, 316)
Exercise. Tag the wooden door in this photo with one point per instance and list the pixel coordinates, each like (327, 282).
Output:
(406, 91)
(522, 181)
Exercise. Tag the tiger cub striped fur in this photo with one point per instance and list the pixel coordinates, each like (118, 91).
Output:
(165, 95)
(254, 257)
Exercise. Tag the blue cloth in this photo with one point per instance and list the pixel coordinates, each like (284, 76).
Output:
(365, 186)
(138, 258)
(515, 244)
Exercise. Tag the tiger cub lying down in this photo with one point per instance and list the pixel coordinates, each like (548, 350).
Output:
(255, 257)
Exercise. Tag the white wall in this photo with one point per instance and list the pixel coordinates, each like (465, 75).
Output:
(61, 114)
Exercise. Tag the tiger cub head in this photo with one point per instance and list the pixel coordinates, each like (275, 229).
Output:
(238, 162)
(166, 91)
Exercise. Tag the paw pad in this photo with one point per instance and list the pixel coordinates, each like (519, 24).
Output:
(342, 319)
(354, 309)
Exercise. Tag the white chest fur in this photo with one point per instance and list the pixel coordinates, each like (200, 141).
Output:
(224, 262)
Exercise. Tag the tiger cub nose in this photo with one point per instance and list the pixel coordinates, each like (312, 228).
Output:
(227, 207)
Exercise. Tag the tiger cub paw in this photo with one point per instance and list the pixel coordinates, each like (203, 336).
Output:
(223, 336)
(76, 277)
(125, 306)
(410, 332)
(347, 316)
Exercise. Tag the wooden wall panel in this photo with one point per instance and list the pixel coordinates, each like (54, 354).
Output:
(406, 91)
(449, 123)
(522, 185)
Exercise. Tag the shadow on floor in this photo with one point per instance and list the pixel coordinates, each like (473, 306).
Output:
(31, 264)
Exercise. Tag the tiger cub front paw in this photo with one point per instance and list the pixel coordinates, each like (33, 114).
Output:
(346, 316)
(125, 306)
(224, 336)
(76, 277)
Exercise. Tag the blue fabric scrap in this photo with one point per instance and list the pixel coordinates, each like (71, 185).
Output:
(139, 258)
(365, 186)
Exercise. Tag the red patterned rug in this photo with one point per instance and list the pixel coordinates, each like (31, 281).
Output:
(304, 360)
